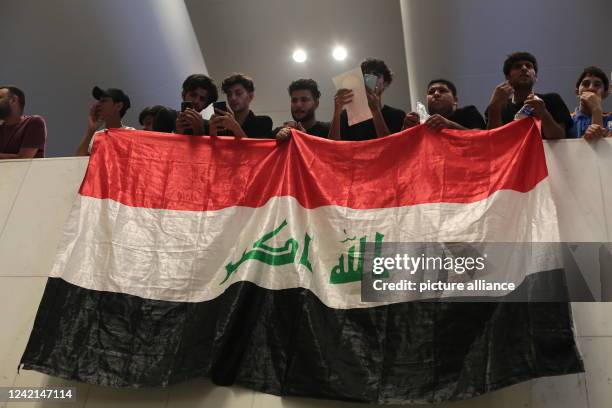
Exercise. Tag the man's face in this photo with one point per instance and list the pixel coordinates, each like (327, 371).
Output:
(147, 122)
(239, 98)
(107, 108)
(522, 75)
(440, 99)
(198, 97)
(303, 105)
(6, 102)
(591, 83)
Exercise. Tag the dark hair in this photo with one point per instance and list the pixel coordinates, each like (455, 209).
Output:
(124, 108)
(307, 84)
(148, 111)
(596, 72)
(377, 66)
(14, 91)
(519, 56)
(165, 120)
(240, 79)
(196, 81)
(446, 82)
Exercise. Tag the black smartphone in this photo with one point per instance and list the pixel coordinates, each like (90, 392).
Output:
(221, 105)
(185, 105)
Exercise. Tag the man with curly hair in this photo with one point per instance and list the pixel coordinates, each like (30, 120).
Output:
(304, 94)
(201, 91)
(385, 119)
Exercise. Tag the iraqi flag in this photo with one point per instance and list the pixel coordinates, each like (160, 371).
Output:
(204, 256)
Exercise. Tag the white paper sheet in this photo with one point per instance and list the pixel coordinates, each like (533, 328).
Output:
(358, 110)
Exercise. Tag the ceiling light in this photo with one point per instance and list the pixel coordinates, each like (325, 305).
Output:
(299, 55)
(339, 53)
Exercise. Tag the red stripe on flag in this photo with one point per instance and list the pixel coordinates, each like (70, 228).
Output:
(157, 170)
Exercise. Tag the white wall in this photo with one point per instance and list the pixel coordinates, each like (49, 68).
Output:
(467, 41)
(258, 38)
(56, 51)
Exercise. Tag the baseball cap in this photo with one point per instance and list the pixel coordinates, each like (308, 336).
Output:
(117, 95)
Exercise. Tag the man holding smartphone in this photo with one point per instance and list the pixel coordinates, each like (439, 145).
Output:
(385, 119)
(239, 120)
(106, 113)
(198, 92)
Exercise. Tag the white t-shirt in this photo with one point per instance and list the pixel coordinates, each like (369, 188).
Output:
(102, 131)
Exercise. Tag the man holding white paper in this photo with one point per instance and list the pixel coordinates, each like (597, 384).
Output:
(365, 117)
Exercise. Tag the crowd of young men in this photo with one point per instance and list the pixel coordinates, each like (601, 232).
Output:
(24, 136)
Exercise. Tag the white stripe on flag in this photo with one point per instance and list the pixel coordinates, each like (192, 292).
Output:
(182, 255)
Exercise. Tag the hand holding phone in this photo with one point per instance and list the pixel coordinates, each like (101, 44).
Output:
(370, 81)
(186, 105)
(220, 105)
(182, 124)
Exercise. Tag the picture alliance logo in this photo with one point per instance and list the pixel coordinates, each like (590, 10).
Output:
(413, 264)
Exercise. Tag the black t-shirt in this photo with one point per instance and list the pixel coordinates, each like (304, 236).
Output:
(468, 117)
(394, 118)
(320, 129)
(554, 104)
(258, 127)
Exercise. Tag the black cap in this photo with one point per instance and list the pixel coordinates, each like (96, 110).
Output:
(117, 95)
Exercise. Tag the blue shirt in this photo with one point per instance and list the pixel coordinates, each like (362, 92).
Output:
(582, 123)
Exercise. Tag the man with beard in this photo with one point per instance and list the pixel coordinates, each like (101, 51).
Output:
(304, 94)
(442, 106)
(21, 136)
(521, 71)
(240, 121)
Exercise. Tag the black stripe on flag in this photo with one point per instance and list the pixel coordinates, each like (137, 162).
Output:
(286, 342)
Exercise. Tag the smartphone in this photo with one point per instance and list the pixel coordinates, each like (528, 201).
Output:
(186, 105)
(370, 81)
(221, 105)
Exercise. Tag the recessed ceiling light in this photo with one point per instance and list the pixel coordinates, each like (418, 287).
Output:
(299, 55)
(339, 53)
